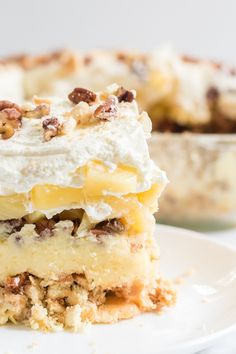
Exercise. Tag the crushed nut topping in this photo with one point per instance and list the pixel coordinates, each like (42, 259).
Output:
(108, 110)
(16, 284)
(125, 95)
(10, 118)
(189, 59)
(87, 60)
(44, 228)
(80, 94)
(112, 226)
(38, 112)
(212, 94)
(51, 127)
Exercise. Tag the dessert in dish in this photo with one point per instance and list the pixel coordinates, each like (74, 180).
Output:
(201, 96)
(192, 104)
(77, 195)
(180, 93)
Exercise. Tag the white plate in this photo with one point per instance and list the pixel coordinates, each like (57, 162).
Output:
(205, 311)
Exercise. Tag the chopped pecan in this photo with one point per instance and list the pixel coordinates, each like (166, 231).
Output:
(6, 130)
(122, 56)
(15, 284)
(44, 228)
(10, 118)
(112, 226)
(212, 94)
(51, 127)
(38, 112)
(190, 59)
(125, 95)
(76, 224)
(87, 60)
(8, 104)
(16, 224)
(80, 94)
(108, 110)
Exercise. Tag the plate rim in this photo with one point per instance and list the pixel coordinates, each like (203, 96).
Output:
(210, 338)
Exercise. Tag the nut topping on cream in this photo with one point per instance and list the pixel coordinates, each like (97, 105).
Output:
(51, 127)
(80, 94)
(38, 112)
(10, 118)
(108, 110)
(124, 95)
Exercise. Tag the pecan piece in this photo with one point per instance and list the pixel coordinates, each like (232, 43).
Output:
(8, 104)
(44, 228)
(6, 130)
(15, 284)
(87, 60)
(108, 110)
(112, 226)
(76, 224)
(212, 94)
(125, 95)
(80, 94)
(10, 118)
(38, 112)
(51, 127)
(190, 59)
(16, 224)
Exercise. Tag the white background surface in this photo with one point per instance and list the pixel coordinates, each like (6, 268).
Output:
(205, 28)
(200, 27)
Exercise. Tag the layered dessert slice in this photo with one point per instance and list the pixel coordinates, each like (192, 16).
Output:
(77, 195)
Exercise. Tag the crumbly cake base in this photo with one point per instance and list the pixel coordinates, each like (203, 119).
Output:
(72, 301)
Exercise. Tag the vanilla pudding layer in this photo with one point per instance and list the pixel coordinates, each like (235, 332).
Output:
(106, 259)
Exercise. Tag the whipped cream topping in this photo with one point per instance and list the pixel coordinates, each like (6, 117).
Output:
(27, 160)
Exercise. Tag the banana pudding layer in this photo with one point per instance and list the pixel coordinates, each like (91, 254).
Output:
(77, 195)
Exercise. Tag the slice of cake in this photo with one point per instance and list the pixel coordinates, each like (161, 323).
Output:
(77, 195)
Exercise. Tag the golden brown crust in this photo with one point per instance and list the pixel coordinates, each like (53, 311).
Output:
(72, 300)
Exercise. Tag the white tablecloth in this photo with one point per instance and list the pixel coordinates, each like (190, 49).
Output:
(228, 344)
